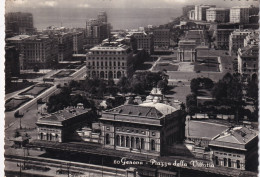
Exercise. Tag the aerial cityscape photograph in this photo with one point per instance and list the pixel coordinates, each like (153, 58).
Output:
(131, 88)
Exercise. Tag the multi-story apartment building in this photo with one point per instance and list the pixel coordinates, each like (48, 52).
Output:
(97, 29)
(19, 23)
(102, 16)
(144, 41)
(239, 14)
(220, 15)
(200, 11)
(109, 61)
(146, 129)
(187, 9)
(235, 148)
(191, 15)
(65, 46)
(161, 37)
(78, 38)
(38, 51)
(248, 60)
(12, 67)
(236, 40)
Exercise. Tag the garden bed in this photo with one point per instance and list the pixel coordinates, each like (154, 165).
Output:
(14, 103)
(36, 90)
(166, 66)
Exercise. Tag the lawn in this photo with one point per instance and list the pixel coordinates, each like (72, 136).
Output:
(36, 90)
(144, 66)
(30, 75)
(14, 103)
(206, 67)
(166, 66)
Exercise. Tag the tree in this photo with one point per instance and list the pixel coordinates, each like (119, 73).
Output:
(194, 86)
(36, 68)
(191, 103)
(162, 85)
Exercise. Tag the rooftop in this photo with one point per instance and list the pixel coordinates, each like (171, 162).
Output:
(64, 114)
(18, 37)
(237, 135)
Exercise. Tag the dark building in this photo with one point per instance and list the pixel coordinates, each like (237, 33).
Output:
(12, 68)
(19, 23)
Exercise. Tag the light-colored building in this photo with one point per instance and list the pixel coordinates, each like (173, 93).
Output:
(200, 11)
(236, 40)
(145, 129)
(239, 14)
(191, 14)
(248, 60)
(187, 9)
(78, 42)
(109, 61)
(38, 51)
(61, 125)
(220, 15)
(235, 148)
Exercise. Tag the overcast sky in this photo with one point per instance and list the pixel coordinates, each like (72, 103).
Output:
(16, 4)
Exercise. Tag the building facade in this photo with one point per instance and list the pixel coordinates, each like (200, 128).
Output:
(38, 51)
(161, 37)
(236, 40)
(145, 129)
(235, 148)
(12, 66)
(61, 125)
(200, 11)
(65, 46)
(239, 14)
(248, 60)
(97, 29)
(191, 15)
(19, 23)
(220, 15)
(78, 38)
(187, 9)
(109, 61)
(144, 41)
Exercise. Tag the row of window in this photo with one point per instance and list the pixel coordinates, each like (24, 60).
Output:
(106, 52)
(106, 63)
(106, 58)
(227, 162)
(227, 154)
(133, 131)
(130, 142)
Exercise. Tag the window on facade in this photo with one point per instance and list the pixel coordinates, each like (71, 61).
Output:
(122, 141)
(107, 139)
(132, 142)
(152, 145)
(117, 140)
(142, 143)
(238, 163)
(225, 162)
(216, 160)
(153, 133)
(229, 162)
(127, 142)
(137, 141)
